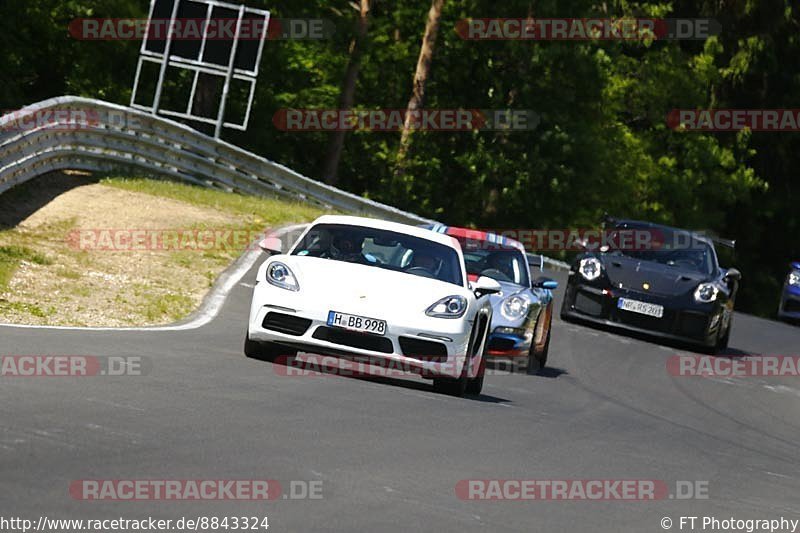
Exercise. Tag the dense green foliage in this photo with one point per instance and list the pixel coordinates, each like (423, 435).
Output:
(603, 144)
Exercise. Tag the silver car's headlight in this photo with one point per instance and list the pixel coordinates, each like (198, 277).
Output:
(794, 277)
(514, 307)
(448, 307)
(282, 276)
(706, 293)
(590, 268)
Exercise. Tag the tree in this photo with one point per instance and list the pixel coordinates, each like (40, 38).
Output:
(334, 153)
(417, 101)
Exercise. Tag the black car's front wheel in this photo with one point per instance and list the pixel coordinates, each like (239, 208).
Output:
(722, 340)
(565, 306)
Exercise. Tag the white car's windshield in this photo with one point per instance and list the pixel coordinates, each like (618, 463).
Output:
(382, 249)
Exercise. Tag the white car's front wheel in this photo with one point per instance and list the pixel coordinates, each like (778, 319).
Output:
(265, 351)
(464, 384)
(475, 385)
(454, 387)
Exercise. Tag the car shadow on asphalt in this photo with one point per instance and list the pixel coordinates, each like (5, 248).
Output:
(504, 369)
(657, 341)
(403, 382)
(550, 372)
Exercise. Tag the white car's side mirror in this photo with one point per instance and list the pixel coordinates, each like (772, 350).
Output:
(485, 285)
(271, 245)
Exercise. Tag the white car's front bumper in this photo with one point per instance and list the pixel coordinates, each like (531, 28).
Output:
(297, 324)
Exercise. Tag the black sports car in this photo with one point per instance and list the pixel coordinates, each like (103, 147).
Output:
(673, 288)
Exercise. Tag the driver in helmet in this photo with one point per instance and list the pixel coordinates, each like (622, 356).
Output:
(425, 260)
(349, 247)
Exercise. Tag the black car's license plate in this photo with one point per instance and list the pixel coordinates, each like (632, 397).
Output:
(643, 308)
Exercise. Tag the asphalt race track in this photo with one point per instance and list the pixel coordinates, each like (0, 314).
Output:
(390, 452)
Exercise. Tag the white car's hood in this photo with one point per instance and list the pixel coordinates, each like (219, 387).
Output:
(361, 288)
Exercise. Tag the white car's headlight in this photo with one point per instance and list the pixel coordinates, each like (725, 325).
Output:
(514, 307)
(794, 277)
(706, 293)
(281, 276)
(590, 268)
(449, 307)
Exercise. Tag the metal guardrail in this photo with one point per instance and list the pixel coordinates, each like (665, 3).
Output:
(540, 261)
(74, 133)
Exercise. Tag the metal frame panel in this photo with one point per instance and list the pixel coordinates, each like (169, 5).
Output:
(228, 72)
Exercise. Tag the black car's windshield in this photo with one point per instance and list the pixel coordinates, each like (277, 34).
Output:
(382, 249)
(675, 249)
(503, 264)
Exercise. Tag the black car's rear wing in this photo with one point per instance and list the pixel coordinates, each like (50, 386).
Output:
(729, 243)
(722, 242)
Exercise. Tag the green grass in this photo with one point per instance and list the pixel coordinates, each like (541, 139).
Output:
(143, 300)
(66, 273)
(31, 309)
(259, 212)
(12, 256)
(168, 306)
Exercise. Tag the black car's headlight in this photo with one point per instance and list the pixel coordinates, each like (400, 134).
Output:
(794, 277)
(514, 307)
(448, 307)
(590, 268)
(282, 276)
(706, 293)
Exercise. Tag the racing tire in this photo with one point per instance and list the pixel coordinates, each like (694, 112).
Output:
(538, 361)
(266, 351)
(563, 313)
(722, 342)
(475, 385)
(454, 386)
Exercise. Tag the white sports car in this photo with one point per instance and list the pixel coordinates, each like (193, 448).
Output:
(358, 287)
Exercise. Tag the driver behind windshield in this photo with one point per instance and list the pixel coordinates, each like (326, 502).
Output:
(348, 247)
(675, 249)
(501, 262)
(422, 259)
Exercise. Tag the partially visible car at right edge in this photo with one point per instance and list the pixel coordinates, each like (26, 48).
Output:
(789, 308)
